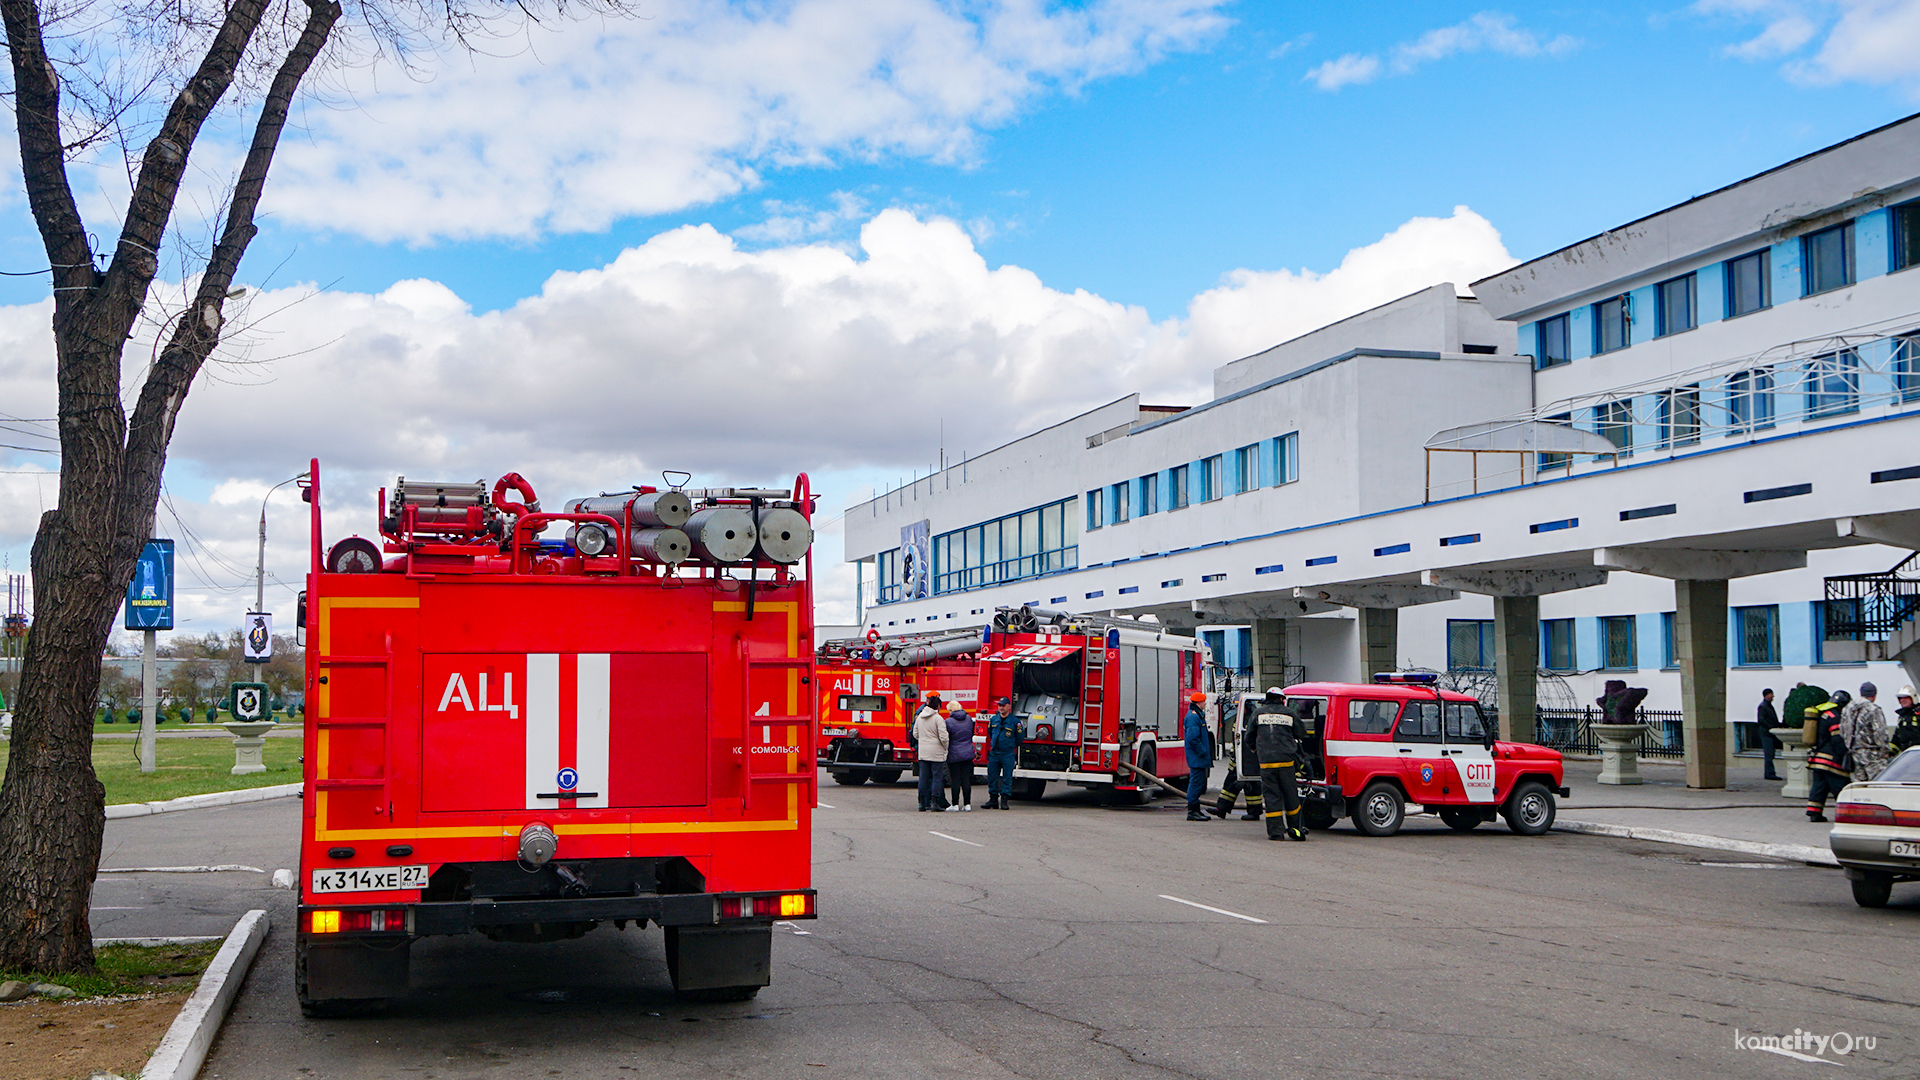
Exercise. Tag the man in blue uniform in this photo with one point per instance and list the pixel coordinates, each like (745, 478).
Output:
(1199, 742)
(1004, 732)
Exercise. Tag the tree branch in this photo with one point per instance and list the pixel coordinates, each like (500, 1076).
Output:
(43, 163)
(197, 331)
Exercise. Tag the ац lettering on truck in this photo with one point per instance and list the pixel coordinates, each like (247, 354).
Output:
(526, 724)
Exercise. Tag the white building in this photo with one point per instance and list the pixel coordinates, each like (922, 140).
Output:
(1637, 457)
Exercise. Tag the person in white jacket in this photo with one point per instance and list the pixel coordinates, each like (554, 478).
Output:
(930, 742)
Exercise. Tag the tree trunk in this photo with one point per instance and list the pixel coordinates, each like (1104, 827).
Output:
(52, 806)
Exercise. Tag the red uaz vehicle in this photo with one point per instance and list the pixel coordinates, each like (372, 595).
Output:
(1369, 750)
(526, 737)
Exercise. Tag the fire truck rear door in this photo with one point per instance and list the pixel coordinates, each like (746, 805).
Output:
(524, 731)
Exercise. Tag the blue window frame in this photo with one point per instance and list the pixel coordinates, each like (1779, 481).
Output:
(1287, 463)
(1551, 347)
(887, 575)
(1470, 645)
(1675, 310)
(1212, 478)
(1118, 497)
(1833, 384)
(1549, 462)
(1617, 644)
(1556, 645)
(1905, 220)
(1750, 282)
(1611, 319)
(1177, 487)
(1246, 468)
(1028, 544)
(1906, 366)
(1615, 420)
(1826, 259)
(1096, 509)
(1757, 635)
(1750, 400)
(1149, 494)
(1680, 416)
(1668, 658)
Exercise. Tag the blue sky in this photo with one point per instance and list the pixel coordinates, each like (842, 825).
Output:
(866, 221)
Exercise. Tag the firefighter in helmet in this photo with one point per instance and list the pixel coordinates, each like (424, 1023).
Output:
(1278, 744)
(1243, 769)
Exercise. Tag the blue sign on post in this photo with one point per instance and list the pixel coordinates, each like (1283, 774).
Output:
(150, 593)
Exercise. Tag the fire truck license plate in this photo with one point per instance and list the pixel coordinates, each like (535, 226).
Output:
(370, 878)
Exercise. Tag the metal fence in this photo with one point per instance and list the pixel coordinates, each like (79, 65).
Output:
(1570, 731)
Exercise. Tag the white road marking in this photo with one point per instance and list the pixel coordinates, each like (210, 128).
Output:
(795, 927)
(219, 869)
(955, 839)
(824, 806)
(1215, 910)
(1797, 1056)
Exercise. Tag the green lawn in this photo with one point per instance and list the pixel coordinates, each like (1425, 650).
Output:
(183, 767)
(134, 969)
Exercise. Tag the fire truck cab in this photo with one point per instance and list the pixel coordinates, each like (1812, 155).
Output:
(1376, 752)
(526, 737)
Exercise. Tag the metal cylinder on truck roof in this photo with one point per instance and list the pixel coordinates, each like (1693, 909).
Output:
(784, 534)
(669, 547)
(909, 655)
(721, 534)
(656, 509)
(422, 493)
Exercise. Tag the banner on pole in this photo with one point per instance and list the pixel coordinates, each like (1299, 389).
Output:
(258, 647)
(150, 593)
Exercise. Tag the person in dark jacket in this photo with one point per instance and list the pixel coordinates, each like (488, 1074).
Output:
(960, 758)
(1826, 758)
(1278, 745)
(1004, 734)
(1906, 730)
(1199, 740)
(1768, 719)
(1243, 772)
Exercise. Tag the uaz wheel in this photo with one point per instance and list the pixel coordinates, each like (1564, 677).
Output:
(1460, 820)
(1530, 810)
(1381, 810)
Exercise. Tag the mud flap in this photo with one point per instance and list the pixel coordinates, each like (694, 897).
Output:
(352, 970)
(717, 957)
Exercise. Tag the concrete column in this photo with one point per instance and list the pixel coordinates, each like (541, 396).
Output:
(1516, 664)
(1269, 653)
(1379, 641)
(1700, 642)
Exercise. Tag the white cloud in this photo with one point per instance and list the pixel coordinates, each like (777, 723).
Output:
(1344, 71)
(690, 352)
(787, 222)
(594, 123)
(1869, 41)
(1488, 31)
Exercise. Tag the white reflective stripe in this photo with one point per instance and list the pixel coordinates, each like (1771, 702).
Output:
(594, 707)
(1356, 748)
(543, 727)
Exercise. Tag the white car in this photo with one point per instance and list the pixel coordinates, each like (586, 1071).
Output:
(1876, 830)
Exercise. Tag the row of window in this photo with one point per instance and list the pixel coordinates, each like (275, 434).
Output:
(1829, 384)
(1828, 261)
(1755, 629)
(1201, 481)
(1023, 545)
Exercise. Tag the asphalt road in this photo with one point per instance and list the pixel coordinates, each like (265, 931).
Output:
(1046, 946)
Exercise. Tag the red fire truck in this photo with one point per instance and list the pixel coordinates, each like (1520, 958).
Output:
(525, 737)
(870, 689)
(1095, 694)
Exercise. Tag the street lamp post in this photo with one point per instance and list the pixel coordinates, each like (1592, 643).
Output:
(260, 569)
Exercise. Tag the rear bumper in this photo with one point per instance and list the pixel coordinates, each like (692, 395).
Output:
(446, 917)
(856, 753)
(1869, 852)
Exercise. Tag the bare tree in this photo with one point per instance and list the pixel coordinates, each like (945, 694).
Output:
(143, 75)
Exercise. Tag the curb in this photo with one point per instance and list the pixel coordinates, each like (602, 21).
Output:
(199, 802)
(1813, 856)
(180, 1055)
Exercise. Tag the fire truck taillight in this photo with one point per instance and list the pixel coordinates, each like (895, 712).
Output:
(347, 922)
(787, 905)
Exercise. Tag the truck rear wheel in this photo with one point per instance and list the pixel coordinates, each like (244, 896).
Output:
(1148, 759)
(334, 982)
(1029, 790)
(886, 776)
(852, 777)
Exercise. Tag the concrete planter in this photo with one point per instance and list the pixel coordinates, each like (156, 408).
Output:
(1619, 753)
(1793, 751)
(248, 742)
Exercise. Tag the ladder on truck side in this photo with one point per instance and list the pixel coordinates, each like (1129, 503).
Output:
(1093, 702)
(798, 728)
(328, 720)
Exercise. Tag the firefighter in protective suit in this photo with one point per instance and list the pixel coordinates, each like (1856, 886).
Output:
(1243, 774)
(1278, 743)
